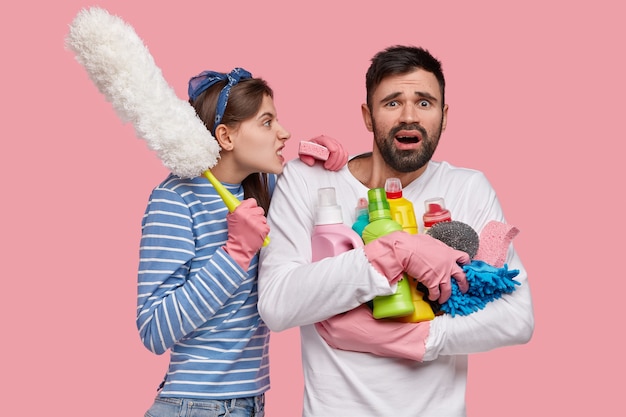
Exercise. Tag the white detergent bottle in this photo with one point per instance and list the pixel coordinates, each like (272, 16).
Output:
(330, 235)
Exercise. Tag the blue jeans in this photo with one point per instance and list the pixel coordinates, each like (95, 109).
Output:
(188, 407)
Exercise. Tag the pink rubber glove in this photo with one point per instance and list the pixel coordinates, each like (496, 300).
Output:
(247, 229)
(429, 260)
(358, 331)
(338, 155)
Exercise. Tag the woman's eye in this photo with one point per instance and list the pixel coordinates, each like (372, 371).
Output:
(267, 123)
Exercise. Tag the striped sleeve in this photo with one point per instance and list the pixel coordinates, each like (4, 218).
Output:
(180, 286)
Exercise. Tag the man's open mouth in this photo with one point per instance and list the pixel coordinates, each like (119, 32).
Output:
(407, 139)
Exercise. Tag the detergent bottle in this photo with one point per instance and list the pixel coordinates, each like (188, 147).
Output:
(330, 235)
(401, 208)
(362, 216)
(435, 211)
(400, 303)
(402, 211)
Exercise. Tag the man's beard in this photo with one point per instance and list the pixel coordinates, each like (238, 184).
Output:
(406, 160)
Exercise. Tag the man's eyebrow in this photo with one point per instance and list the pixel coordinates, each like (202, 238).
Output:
(389, 97)
(426, 95)
(396, 94)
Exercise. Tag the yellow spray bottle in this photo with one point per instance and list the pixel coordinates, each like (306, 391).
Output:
(402, 211)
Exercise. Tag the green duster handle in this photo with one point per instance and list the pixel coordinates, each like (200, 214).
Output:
(229, 199)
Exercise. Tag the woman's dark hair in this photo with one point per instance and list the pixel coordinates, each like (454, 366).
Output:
(244, 102)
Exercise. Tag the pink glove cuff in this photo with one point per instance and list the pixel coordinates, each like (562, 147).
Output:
(243, 260)
(381, 254)
(358, 331)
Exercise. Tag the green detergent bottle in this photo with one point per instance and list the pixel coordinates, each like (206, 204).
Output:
(400, 303)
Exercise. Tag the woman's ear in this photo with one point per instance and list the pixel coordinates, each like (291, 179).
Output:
(222, 135)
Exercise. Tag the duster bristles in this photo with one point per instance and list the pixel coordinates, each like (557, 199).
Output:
(122, 68)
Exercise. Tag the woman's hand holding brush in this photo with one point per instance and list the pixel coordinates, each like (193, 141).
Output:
(247, 229)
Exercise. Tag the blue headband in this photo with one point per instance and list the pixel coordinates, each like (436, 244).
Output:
(206, 79)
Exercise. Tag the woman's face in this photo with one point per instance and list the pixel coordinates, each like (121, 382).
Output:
(259, 142)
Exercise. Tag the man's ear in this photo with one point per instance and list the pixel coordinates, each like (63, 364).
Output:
(367, 117)
(444, 120)
(222, 135)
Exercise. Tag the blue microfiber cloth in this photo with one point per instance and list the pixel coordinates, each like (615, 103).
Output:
(486, 283)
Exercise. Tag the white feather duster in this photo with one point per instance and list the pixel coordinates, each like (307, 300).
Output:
(121, 66)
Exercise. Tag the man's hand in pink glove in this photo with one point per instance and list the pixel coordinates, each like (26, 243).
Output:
(337, 158)
(358, 331)
(429, 260)
(247, 229)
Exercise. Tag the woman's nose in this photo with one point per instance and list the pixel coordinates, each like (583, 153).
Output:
(283, 134)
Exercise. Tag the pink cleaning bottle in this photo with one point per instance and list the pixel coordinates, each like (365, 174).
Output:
(330, 235)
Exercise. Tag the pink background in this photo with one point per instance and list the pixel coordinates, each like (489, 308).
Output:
(536, 92)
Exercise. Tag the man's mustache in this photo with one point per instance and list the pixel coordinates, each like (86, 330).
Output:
(412, 126)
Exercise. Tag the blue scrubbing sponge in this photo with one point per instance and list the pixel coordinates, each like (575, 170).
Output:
(486, 283)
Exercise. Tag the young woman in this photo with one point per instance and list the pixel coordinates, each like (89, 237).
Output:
(197, 282)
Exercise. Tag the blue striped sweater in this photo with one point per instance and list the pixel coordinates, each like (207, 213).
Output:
(195, 300)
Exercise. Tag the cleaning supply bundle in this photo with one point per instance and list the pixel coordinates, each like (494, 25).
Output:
(487, 282)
